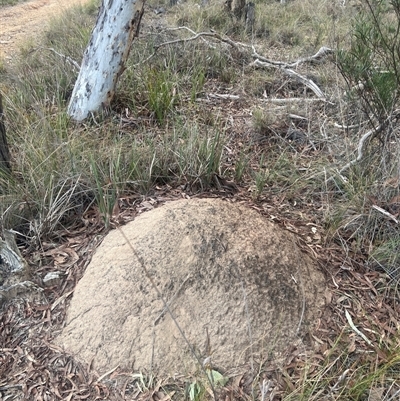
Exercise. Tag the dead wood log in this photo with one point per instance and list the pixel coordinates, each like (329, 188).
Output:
(5, 158)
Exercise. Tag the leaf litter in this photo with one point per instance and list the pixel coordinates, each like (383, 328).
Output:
(31, 367)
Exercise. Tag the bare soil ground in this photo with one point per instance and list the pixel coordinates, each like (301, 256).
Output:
(26, 21)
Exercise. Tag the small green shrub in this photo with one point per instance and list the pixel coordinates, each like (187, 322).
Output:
(371, 66)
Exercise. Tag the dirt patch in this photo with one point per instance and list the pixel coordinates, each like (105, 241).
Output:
(238, 286)
(27, 20)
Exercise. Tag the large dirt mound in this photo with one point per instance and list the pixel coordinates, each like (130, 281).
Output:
(237, 284)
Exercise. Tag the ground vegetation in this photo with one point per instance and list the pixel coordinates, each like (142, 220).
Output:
(208, 108)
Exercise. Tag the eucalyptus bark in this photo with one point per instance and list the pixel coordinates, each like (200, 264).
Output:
(118, 23)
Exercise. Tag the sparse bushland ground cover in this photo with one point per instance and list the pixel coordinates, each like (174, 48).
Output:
(194, 117)
(9, 2)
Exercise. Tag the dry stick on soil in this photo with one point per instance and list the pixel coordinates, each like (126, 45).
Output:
(286, 68)
(293, 99)
(259, 61)
(361, 145)
(307, 82)
(196, 36)
(167, 308)
(322, 52)
(383, 211)
(363, 141)
(362, 335)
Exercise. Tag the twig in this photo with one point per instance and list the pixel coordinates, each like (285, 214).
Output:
(354, 328)
(383, 211)
(259, 61)
(341, 380)
(360, 148)
(286, 68)
(341, 126)
(365, 137)
(223, 96)
(307, 82)
(322, 52)
(293, 99)
(106, 374)
(200, 35)
(264, 388)
(394, 396)
(303, 306)
(215, 35)
(296, 117)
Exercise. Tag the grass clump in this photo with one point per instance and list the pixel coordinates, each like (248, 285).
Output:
(10, 2)
(161, 94)
(93, 165)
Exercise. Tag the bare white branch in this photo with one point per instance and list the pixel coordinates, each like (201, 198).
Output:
(386, 213)
(360, 149)
(321, 53)
(307, 82)
(293, 99)
(354, 328)
(223, 96)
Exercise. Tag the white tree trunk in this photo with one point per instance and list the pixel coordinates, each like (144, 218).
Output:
(104, 60)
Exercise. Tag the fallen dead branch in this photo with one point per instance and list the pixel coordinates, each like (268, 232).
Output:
(364, 140)
(260, 61)
(384, 212)
(200, 35)
(293, 99)
(223, 96)
(309, 83)
(360, 148)
(317, 57)
(211, 34)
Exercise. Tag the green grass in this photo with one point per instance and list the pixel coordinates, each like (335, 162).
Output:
(10, 2)
(167, 129)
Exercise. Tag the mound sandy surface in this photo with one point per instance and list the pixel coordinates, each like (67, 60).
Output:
(237, 285)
